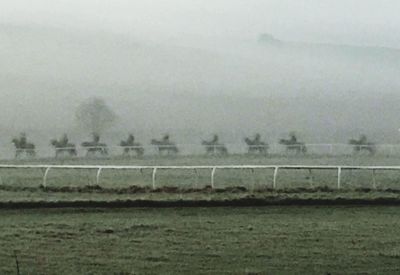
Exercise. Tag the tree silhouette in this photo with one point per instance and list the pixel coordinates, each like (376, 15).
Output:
(95, 115)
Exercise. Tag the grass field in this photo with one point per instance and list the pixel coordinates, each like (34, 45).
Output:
(223, 179)
(270, 240)
(218, 240)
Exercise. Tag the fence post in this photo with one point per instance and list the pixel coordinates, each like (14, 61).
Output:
(45, 176)
(197, 177)
(275, 176)
(311, 178)
(98, 175)
(212, 177)
(154, 177)
(253, 179)
(339, 175)
(373, 179)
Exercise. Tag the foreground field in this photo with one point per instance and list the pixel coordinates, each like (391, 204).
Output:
(253, 240)
(270, 240)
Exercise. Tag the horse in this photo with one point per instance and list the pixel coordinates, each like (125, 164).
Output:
(256, 145)
(62, 147)
(165, 145)
(130, 145)
(213, 147)
(362, 144)
(22, 146)
(94, 147)
(293, 145)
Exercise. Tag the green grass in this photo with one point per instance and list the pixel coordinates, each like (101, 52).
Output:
(270, 240)
(230, 159)
(223, 178)
(24, 185)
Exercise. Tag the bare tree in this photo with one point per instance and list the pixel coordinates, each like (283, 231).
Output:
(95, 115)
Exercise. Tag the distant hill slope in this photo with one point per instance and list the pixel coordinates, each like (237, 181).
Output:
(390, 56)
(324, 91)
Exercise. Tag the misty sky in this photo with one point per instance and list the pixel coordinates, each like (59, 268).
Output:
(179, 65)
(363, 22)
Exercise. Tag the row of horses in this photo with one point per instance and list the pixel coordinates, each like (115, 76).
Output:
(165, 146)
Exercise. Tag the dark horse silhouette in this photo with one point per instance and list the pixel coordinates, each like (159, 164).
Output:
(213, 147)
(62, 146)
(130, 145)
(362, 144)
(95, 147)
(22, 146)
(256, 145)
(293, 145)
(165, 145)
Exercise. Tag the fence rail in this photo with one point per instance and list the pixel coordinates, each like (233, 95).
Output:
(213, 168)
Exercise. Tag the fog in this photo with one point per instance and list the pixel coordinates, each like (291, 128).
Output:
(328, 70)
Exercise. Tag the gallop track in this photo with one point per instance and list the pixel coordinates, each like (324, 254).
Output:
(200, 181)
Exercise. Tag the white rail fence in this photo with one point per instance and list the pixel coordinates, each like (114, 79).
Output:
(213, 170)
(336, 149)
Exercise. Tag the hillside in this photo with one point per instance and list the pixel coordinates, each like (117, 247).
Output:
(326, 92)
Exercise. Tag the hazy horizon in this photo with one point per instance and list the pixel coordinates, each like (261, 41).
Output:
(171, 66)
(360, 22)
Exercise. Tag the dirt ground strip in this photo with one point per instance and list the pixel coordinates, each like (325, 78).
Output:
(133, 196)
